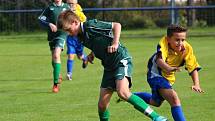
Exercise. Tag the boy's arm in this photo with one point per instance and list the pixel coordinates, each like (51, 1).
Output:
(163, 65)
(116, 35)
(44, 21)
(196, 85)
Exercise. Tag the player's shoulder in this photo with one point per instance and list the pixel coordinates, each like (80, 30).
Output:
(65, 5)
(91, 22)
(163, 42)
(187, 46)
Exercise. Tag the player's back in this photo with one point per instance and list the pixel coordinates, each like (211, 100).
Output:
(99, 36)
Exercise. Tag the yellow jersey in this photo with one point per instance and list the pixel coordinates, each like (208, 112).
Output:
(173, 59)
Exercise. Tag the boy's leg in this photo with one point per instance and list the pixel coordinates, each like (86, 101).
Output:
(70, 62)
(104, 101)
(56, 67)
(177, 113)
(171, 96)
(139, 104)
(144, 95)
(80, 53)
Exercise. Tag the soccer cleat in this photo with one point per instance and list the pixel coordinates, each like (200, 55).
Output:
(160, 118)
(69, 77)
(84, 64)
(55, 88)
(60, 79)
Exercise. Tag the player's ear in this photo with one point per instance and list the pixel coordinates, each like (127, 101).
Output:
(168, 38)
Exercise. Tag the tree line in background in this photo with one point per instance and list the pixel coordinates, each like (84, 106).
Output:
(129, 19)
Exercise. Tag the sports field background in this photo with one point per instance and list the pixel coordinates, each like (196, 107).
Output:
(26, 80)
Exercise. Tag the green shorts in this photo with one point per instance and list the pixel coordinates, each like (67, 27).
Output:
(111, 76)
(57, 42)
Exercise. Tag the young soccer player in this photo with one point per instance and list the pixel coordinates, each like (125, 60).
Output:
(56, 38)
(73, 45)
(173, 51)
(103, 39)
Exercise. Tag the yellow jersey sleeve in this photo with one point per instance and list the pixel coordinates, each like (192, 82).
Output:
(80, 13)
(190, 60)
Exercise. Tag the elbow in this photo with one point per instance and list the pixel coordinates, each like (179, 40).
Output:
(119, 25)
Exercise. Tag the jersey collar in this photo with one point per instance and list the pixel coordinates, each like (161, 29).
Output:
(57, 5)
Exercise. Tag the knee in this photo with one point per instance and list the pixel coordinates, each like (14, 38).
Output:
(56, 56)
(156, 104)
(174, 101)
(71, 56)
(102, 106)
(123, 94)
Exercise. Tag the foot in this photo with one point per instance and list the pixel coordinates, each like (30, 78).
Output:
(160, 118)
(69, 77)
(55, 88)
(60, 79)
(84, 64)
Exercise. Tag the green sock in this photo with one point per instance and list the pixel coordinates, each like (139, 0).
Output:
(56, 72)
(141, 106)
(104, 116)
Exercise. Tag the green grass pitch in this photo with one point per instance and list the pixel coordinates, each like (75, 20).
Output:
(26, 81)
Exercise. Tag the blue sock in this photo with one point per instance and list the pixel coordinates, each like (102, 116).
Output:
(69, 65)
(177, 113)
(143, 95)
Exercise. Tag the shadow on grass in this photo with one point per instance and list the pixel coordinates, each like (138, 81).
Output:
(26, 86)
(27, 80)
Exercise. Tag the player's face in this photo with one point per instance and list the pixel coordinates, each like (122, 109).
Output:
(72, 4)
(58, 1)
(176, 42)
(72, 28)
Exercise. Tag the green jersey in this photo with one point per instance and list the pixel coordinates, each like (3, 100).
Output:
(50, 15)
(98, 35)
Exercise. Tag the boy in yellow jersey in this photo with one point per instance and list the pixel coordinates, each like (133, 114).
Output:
(172, 52)
(73, 45)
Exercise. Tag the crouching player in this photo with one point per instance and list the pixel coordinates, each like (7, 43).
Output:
(173, 51)
(102, 38)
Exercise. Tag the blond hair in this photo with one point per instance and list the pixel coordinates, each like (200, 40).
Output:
(65, 18)
(72, 1)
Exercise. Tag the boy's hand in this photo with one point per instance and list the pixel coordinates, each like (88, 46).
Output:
(197, 89)
(53, 27)
(176, 69)
(113, 48)
(90, 58)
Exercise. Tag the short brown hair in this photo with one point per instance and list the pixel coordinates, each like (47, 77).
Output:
(65, 18)
(175, 28)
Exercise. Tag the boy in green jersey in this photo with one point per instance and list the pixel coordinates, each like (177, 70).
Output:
(56, 38)
(102, 38)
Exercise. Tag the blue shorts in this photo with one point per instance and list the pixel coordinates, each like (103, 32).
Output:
(157, 83)
(74, 46)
